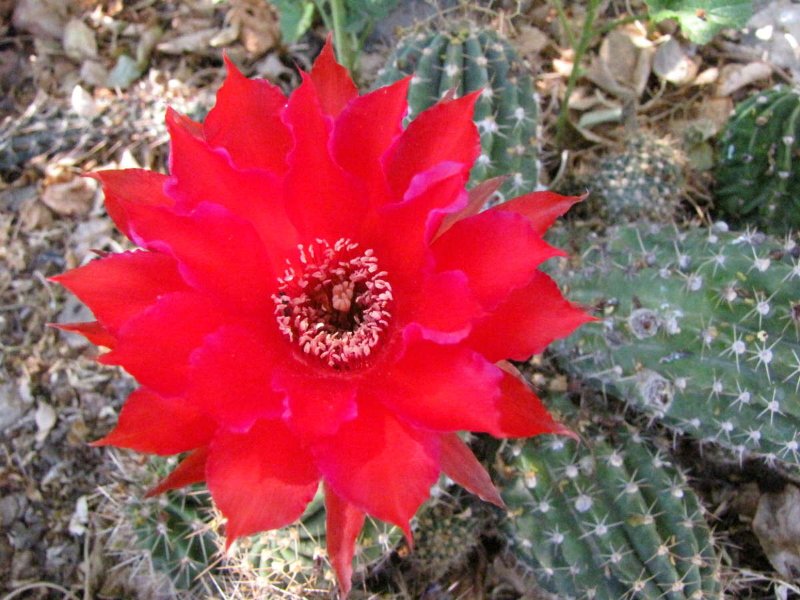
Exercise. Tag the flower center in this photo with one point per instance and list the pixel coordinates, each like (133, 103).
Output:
(334, 303)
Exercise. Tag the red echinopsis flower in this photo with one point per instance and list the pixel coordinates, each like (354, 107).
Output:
(317, 298)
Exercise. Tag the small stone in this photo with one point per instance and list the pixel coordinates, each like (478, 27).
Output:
(45, 420)
(12, 406)
(12, 507)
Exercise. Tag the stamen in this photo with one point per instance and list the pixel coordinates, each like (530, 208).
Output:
(335, 305)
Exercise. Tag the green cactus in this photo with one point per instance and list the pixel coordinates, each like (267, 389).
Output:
(607, 518)
(700, 329)
(293, 559)
(643, 180)
(173, 531)
(467, 59)
(446, 531)
(758, 164)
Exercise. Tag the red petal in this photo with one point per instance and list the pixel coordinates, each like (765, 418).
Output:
(444, 388)
(155, 346)
(334, 86)
(498, 252)
(418, 216)
(380, 464)
(478, 196)
(522, 413)
(202, 174)
(460, 465)
(216, 250)
(158, 425)
(445, 307)
(261, 479)
(365, 130)
(343, 524)
(191, 469)
(319, 199)
(121, 286)
(444, 132)
(526, 321)
(92, 331)
(229, 378)
(246, 121)
(131, 186)
(315, 406)
(540, 208)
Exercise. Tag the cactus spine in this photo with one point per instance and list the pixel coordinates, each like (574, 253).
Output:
(468, 59)
(758, 164)
(294, 559)
(608, 518)
(700, 329)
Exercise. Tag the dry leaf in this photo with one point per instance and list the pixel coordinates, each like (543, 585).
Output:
(258, 25)
(45, 418)
(74, 197)
(736, 76)
(42, 18)
(673, 63)
(531, 40)
(195, 42)
(79, 40)
(716, 110)
(83, 103)
(622, 67)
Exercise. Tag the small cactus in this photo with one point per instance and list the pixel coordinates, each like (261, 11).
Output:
(642, 181)
(607, 518)
(467, 59)
(294, 559)
(446, 532)
(699, 329)
(171, 534)
(758, 164)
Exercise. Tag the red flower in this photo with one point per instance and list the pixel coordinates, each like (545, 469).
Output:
(317, 298)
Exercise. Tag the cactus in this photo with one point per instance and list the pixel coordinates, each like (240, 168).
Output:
(758, 165)
(446, 532)
(607, 518)
(467, 59)
(642, 181)
(167, 541)
(294, 559)
(700, 329)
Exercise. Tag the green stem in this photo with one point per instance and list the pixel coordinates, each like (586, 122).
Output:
(341, 41)
(562, 18)
(583, 46)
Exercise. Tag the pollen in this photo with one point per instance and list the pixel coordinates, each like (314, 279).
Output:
(333, 302)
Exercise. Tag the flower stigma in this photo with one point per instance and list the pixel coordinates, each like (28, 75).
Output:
(334, 302)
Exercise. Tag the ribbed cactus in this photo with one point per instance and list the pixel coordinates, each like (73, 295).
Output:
(294, 559)
(467, 59)
(700, 329)
(174, 532)
(608, 517)
(447, 530)
(644, 180)
(758, 164)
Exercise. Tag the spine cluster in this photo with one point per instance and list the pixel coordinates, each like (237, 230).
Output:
(699, 329)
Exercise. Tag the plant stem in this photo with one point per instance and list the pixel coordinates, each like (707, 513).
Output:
(583, 45)
(341, 41)
(562, 18)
